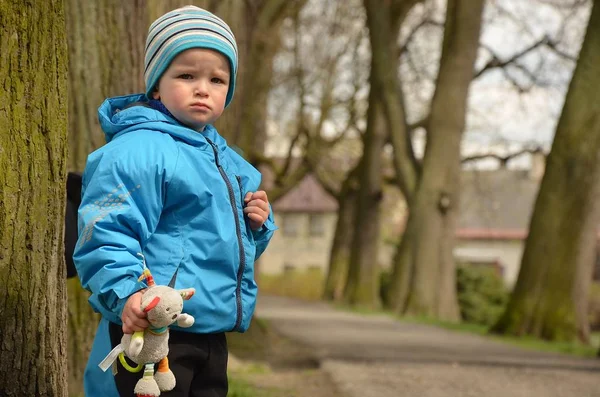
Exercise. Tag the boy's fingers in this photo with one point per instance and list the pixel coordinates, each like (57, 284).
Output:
(137, 310)
(247, 197)
(260, 195)
(131, 325)
(258, 203)
(256, 217)
(256, 211)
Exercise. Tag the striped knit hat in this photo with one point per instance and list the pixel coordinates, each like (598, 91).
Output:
(182, 29)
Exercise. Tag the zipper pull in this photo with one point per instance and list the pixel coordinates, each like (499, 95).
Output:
(215, 150)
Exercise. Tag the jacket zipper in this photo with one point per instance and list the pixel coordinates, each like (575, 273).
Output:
(238, 230)
(239, 181)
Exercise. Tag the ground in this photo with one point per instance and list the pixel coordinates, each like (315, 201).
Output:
(379, 356)
(274, 365)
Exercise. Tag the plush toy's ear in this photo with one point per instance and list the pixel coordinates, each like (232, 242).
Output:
(187, 293)
(152, 304)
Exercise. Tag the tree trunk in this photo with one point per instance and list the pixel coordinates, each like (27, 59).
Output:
(384, 21)
(434, 207)
(339, 257)
(550, 297)
(33, 151)
(362, 287)
(402, 269)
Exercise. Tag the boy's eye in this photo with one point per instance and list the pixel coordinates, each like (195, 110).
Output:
(185, 76)
(217, 80)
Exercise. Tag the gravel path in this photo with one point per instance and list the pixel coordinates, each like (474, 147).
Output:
(378, 356)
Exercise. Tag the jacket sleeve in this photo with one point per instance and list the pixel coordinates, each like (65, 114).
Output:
(121, 204)
(263, 235)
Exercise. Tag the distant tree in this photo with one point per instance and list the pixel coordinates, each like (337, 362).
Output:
(423, 281)
(339, 255)
(551, 294)
(257, 25)
(33, 157)
(362, 287)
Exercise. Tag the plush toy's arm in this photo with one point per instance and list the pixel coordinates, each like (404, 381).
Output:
(185, 320)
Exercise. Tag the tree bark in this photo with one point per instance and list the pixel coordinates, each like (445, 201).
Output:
(402, 269)
(339, 257)
(362, 287)
(384, 21)
(33, 155)
(550, 297)
(426, 256)
(106, 58)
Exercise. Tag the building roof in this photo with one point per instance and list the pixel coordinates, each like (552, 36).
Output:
(496, 204)
(307, 196)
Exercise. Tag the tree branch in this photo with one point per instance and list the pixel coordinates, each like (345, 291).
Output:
(503, 159)
(496, 62)
(411, 35)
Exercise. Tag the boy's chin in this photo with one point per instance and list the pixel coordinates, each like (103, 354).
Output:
(196, 126)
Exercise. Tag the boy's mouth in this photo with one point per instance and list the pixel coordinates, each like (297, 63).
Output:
(199, 105)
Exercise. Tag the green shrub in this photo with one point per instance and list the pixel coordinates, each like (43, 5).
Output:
(482, 295)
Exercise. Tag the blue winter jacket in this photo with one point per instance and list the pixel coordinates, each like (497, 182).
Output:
(176, 196)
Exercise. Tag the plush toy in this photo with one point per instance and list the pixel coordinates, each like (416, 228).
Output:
(163, 305)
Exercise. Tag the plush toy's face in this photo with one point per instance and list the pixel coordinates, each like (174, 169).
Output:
(163, 305)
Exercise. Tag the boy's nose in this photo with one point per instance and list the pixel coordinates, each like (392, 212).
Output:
(201, 88)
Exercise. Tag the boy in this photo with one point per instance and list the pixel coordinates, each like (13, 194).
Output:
(167, 185)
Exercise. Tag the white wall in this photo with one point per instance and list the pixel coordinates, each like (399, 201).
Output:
(508, 253)
(304, 251)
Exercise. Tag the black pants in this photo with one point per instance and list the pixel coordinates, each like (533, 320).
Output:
(199, 362)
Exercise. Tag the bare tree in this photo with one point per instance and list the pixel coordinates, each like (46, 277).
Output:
(424, 272)
(550, 298)
(33, 156)
(256, 25)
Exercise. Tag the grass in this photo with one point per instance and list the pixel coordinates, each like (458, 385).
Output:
(526, 342)
(238, 387)
(306, 285)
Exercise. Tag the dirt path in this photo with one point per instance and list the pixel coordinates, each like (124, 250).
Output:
(377, 356)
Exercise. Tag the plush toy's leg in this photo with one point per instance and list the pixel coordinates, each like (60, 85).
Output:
(147, 387)
(164, 376)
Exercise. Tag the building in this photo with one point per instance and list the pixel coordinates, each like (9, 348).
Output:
(306, 218)
(495, 211)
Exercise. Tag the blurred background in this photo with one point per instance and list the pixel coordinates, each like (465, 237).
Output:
(403, 146)
(436, 160)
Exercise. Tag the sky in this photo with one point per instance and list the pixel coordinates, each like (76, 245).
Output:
(500, 118)
(499, 112)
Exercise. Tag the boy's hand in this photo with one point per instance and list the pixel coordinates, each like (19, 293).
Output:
(257, 208)
(134, 319)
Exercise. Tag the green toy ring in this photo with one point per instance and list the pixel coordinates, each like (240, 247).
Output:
(128, 367)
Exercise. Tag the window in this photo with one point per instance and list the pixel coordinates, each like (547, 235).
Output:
(290, 225)
(317, 225)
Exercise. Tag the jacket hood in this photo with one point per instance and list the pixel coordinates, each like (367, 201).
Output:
(117, 119)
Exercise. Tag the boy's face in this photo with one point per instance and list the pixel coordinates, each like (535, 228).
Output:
(194, 87)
